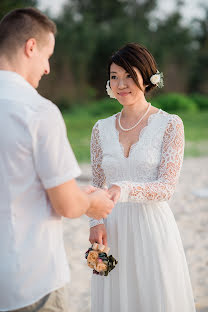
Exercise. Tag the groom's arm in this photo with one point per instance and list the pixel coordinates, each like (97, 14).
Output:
(57, 168)
(70, 201)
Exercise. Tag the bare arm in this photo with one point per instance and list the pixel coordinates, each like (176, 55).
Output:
(69, 201)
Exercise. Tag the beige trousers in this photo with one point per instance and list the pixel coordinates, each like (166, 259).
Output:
(57, 301)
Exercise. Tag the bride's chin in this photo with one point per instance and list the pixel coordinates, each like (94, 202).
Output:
(125, 103)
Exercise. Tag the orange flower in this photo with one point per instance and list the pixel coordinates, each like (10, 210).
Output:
(92, 257)
(90, 265)
(101, 267)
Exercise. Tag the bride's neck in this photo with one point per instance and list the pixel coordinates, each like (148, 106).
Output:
(135, 110)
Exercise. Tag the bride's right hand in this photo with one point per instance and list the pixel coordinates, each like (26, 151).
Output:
(114, 191)
(98, 234)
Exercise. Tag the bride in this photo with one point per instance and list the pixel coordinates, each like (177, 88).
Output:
(138, 154)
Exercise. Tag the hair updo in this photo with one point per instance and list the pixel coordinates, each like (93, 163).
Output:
(135, 55)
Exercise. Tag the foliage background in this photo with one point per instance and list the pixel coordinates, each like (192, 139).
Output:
(89, 31)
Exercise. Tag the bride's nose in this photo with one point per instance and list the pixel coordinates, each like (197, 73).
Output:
(121, 84)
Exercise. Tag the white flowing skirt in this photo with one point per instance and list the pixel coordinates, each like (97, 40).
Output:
(152, 273)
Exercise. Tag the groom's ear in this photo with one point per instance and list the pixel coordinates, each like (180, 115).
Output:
(19, 25)
(30, 47)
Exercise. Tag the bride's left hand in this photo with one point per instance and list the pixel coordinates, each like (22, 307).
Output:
(114, 191)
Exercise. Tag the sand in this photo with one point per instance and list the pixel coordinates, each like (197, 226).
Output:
(190, 209)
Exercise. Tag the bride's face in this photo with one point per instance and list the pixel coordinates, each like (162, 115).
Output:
(123, 86)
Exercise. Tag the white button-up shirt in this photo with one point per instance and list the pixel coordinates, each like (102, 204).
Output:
(34, 155)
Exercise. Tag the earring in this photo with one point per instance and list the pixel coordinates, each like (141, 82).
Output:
(109, 90)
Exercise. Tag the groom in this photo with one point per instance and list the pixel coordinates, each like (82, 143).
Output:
(37, 172)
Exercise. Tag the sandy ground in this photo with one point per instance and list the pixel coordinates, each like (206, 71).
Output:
(191, 214)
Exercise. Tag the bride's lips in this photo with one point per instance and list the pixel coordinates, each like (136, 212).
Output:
(124, 93)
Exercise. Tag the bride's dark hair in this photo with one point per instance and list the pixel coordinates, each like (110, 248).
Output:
(135, 55)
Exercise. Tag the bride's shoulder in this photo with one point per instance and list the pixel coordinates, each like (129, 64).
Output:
(105, 121)
(171, 118)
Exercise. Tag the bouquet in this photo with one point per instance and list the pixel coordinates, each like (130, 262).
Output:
(98, 259)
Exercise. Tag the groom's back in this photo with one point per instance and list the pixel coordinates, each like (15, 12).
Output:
(30, 229)
(19, 111)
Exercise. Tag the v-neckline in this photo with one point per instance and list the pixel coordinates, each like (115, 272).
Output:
(139, 136)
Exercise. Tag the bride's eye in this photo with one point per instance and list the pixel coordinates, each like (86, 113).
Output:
(129, 76)
(113, 77)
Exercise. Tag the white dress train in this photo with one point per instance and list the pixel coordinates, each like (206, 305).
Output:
(152, 273)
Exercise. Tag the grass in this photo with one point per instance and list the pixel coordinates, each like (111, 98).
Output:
(79, 126)
(196, 133)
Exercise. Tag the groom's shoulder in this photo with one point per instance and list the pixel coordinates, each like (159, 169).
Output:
(41, 113)
(43, 105)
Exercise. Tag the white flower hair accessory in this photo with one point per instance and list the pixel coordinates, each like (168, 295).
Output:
(157, 79)
(109, 90)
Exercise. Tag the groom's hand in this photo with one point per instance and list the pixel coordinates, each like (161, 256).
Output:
(100, 204)
(98, 235)
(88, 189)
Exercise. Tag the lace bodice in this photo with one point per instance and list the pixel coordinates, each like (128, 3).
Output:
(151, 171)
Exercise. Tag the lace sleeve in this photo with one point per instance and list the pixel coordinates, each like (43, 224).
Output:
(98, 177)
(169, 170)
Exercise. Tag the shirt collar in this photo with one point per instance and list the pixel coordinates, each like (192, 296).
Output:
(11, 76)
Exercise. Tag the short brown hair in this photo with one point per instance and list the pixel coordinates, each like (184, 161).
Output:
(22, 24)
(135, 55)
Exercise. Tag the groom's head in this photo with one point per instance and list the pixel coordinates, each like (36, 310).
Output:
(27, 39)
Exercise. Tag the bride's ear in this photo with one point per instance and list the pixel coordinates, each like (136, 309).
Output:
(145, 87)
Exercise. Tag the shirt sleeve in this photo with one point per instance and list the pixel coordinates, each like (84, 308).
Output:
(98, 176)
(54, 159)
(169, 169)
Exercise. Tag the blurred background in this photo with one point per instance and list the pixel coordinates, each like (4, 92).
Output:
(89, 31)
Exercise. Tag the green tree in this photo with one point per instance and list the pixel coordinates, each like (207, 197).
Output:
(89, 31)
(8, 5)
(172, 47)
(199, 74)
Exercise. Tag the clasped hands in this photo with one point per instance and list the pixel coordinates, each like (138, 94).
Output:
(113, 192)
(98, 233)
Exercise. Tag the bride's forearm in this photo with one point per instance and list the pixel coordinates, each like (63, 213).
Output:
(145, 192)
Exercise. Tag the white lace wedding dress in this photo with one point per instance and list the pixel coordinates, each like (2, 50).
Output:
(152, 273)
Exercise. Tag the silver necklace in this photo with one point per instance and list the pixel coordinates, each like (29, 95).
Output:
(119, 119)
